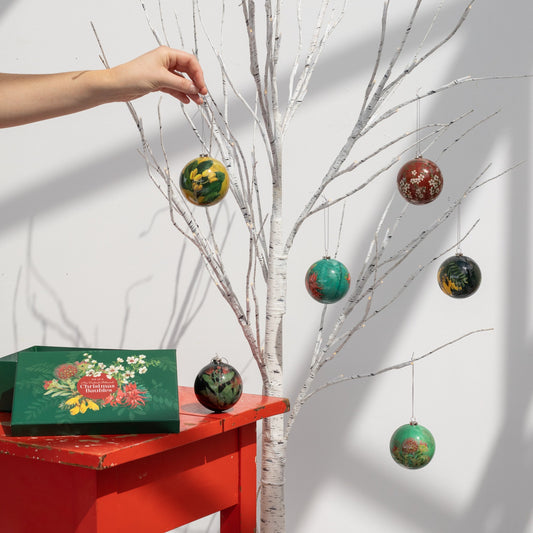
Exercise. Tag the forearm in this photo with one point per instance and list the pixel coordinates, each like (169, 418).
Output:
(28, 98)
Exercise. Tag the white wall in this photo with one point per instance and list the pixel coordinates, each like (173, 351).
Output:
(89, 256)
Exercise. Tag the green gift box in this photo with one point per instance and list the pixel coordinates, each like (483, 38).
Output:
(8, 365)
(80, 391)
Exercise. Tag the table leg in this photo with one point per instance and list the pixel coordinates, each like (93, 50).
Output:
(241, 518)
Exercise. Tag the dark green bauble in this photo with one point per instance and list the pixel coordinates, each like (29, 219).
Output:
(459, 276)
(327, 280)
(218, 386)
(412, 446)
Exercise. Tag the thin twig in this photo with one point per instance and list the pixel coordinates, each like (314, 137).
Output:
(342, 379)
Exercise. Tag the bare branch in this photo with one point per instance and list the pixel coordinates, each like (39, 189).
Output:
(372, 80)
(148, 21)
(465, 133)
(315, 50)
(342, 379)
(417, 61)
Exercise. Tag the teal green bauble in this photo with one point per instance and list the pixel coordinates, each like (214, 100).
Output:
(459, 276)
(218, 386)
(327, 280)
(412, 446)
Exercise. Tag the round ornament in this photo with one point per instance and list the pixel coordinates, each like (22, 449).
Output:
(420, 181)
(218, 386)
(204, 181)
(412, 445)
(327, 280)
(459, 276)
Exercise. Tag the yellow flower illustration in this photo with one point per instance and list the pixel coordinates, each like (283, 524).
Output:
(91, 405)
(80, 404)
(73, 400)
(447, 285)
(83, 406)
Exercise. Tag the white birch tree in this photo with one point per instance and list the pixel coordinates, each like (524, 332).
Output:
(258, 301)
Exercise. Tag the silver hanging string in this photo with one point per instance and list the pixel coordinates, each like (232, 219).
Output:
(211, 117)
(340, 230)
(200, 131)
(326, 228)
(207, 118)
(418, 149)
(202, 127)
(413, 419)
(458, 250)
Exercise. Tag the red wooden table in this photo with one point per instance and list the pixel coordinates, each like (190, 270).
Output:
(136, 483)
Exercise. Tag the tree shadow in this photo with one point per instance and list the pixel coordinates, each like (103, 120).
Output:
(501, 502)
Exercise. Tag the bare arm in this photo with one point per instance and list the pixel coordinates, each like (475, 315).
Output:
(28, 98)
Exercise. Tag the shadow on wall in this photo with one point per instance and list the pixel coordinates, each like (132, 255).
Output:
(187, 300)
(502, 502)
(5, 5)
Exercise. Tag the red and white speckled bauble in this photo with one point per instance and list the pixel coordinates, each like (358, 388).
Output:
(420, 181)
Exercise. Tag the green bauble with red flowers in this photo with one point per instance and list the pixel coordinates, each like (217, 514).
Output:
(412, 446)
(327, 280)
(218, 386)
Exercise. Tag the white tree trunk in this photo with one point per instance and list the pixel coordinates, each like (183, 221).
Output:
(272, 484)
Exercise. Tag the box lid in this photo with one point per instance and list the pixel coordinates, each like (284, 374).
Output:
(72, 391)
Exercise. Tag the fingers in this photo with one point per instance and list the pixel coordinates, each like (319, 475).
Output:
(179, 61)
(188, 63)
(182, 88)
(185, 98)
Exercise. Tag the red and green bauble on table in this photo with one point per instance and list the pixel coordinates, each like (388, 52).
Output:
(327, 280)
(420, 181)
(218, 386)
(204, 181)
(459, 276)
(412, 446)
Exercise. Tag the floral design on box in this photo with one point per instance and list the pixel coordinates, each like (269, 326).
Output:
(90, 385)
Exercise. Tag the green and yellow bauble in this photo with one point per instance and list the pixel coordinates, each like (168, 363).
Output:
(459, 276)
(412, 445)
(204, 181)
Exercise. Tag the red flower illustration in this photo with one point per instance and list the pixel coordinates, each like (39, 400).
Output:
(133, 396)
(116, 398)
(409, 446)
(313, 286)
(66, 371)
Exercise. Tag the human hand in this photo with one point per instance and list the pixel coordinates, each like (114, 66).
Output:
(162, 69)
